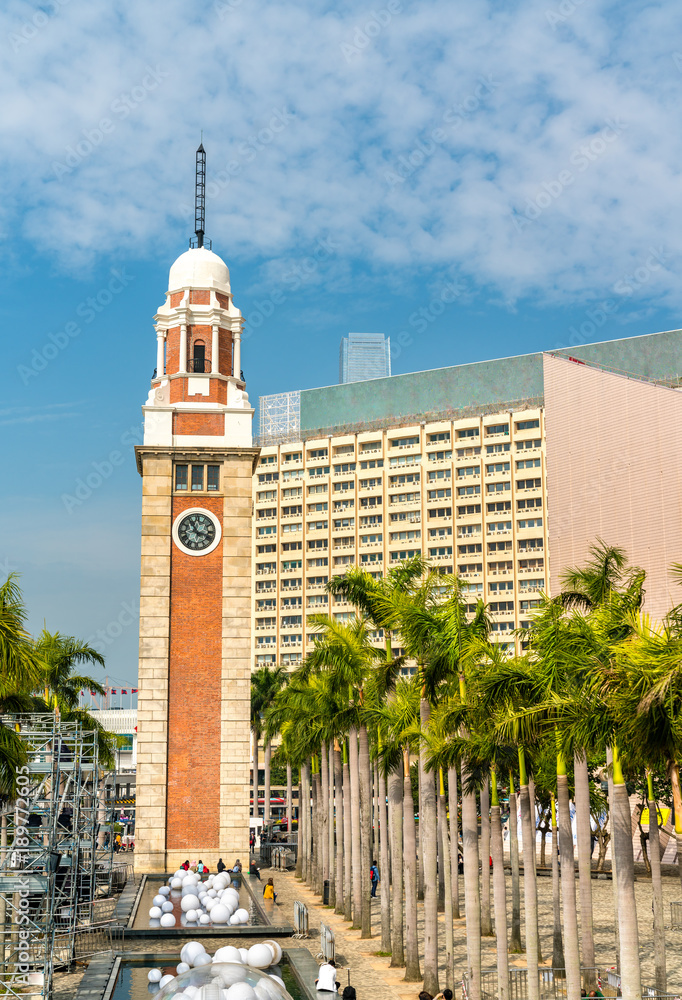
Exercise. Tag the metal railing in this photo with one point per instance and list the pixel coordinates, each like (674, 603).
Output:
(552, 983)
(327, 947)
(267, 848)
(283, 858)
(300, 919)
(88, 941)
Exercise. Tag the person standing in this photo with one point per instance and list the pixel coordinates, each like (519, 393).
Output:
(220, 866)
(374, 877)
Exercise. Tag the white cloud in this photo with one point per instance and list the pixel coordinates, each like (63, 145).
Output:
(301, 134)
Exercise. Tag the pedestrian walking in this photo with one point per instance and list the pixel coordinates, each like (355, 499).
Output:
(374, 877)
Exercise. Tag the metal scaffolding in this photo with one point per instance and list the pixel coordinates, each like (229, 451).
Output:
(279, 418)
(53, 858)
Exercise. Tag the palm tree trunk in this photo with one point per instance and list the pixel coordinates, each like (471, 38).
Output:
(677, 802)
(290, 805)
(366, 837)
(385, 883)
(656, 891)
(627, 907)
(558, 961)
(515, 942)
(428, 842)
(317, 842)
(499, 893)
(530, 889)
(331, 827)
(376, 849)
(447, 883)
(472, 895)
(570, 908)
(532, 801)
(412, 970)
(354, 769)
(584, 844)
(454, 840)
(614, 870)
(486, 919)
(420, 842)
(300, 839)
(266, 782)
(395, 797)
(340, 828)
(324, 812)
(254, 769)
(347, 839)
(441, 874)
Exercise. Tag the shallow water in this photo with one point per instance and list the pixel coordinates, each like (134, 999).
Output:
(132, 982)
(151, 889)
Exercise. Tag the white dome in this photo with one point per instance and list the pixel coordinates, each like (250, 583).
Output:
(199, 268)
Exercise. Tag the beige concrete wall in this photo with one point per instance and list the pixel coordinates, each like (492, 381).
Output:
(613, 471)
(152, 712)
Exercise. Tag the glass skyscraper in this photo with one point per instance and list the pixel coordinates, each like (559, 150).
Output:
(363, 356)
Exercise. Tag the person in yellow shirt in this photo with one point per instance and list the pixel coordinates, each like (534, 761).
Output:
(269, 890)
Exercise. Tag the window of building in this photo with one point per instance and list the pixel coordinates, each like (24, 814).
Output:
(292, 491)
(344, 468)
(371, 557)
(528, 484)
(529, 504)
(317, 453)
(318, 525)
(409, 477)
(531, 443)
(263, 550)
(499, 546)
(315, 507)
(291, 564)
(318, 543)
(268, 477)
(266, 567)
(472, 588)
(440, 532)
(295, 526)
(341, 523)
(266, 603)
(318, 581)
(527, 425)
(504, 566)
(373, 463)
(266, 622)
(404, 460)
(291, 621)
(292, 546)
(530, 564)
(410, 497)
(344, 560)
(268, 529)
(497, 449)
(197, 478)
(368, 484)
(501, 626)
(501, 585)
(293, 456)
(440, 512)
(368, 502)
(294, 509)
(470, 508)
(266, 512)
(532, 522)
(528, 463)
(502, 606)
(526, 544)
(469, 550)
(496, 467)
(441, 550)
(317, 600)
(267, 460)
(537, 584)
(370, 446)
(470, 567)
(404, 536)
(406, 442)
(499, 507)
(291, 602)
(499, 526)
(438, 436)
(497, 429)
(497, 487)
(319, 561)
(344, 449)
(463, 530)
(265, 586)
(346, 504)
(529, 605)
(343, 487)
(439, 474)
(466, 491)
(370, 519)
(468, 432)
(266, 495)
(439, 456)
(294, 583)
(319, 470)
(404, 554)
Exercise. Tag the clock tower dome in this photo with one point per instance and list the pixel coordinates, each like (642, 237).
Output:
(196, 464)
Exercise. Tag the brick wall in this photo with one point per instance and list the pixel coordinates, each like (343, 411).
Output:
(199, 297)
(194, 691)
(225, 353)
(223, 300)
(198, 423)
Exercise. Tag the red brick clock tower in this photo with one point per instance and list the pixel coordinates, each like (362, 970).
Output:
(196, 464)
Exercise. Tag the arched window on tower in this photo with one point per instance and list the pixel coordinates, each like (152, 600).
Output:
(199, 356)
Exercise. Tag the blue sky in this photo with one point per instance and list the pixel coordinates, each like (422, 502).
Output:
(361, 159)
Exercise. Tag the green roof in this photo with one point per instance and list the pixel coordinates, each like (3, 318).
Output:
(442, 391)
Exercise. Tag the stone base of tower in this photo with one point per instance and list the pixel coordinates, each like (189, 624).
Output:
(193, 771)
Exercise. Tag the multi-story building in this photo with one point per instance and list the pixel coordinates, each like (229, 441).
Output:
(364, 356)
(450, 464)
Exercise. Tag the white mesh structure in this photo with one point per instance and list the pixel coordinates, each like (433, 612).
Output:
(280, 417)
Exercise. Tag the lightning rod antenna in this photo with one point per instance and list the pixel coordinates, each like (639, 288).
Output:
(200, 198)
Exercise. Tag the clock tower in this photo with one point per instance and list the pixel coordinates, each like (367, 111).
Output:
(196, 464)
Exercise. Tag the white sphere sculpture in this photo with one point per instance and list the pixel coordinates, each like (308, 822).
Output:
(227, 954)
(202, 959)
(233, 921)
(176, 883)
(154, 975)
(260, 956)
(167, 920)
(166, 979)
(167, 906)
(190, 879)
(182, 967)
(244, 955)
(158, 900)
(279, 980)
(241, 991)
(204, 918)
(164, 891)
(243, 916)
(190, 951)
(189, 902)
(155, 912)
(276, 949)
(192, 916)
(219, 914)
(231, 973)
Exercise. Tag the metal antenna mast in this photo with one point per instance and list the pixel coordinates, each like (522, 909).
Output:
(200, 200)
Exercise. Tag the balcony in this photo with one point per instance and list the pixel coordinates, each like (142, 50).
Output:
(266, 572)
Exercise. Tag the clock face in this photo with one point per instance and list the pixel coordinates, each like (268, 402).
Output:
(196, 532)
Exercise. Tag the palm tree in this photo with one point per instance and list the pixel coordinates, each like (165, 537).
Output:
(19, 676)
(265, 684)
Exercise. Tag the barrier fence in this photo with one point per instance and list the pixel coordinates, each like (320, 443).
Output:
(300, 920)
(268, 848)
(327, 947)
(88, 941)
(676, 915)
(552, 984)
